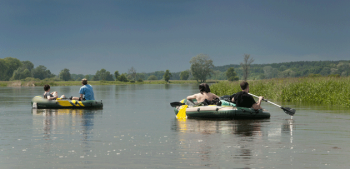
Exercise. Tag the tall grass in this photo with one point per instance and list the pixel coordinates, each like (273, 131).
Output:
(321, 90)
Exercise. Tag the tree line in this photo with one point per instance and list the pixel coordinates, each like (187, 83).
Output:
(201, 69)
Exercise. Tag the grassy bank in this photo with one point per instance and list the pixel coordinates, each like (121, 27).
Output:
(78, 83)
(320, 90)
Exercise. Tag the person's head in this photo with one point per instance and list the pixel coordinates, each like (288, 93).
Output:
(204, 88)
(244, 86)
(47, 88)
(84, 81)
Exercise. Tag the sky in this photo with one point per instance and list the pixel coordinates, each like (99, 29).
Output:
(153, 35)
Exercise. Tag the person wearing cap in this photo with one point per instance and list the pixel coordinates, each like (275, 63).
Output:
(86, 92)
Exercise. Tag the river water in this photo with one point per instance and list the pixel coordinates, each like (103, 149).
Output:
(137, 128)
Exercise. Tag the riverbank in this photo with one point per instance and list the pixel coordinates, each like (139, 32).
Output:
(320, 90)
(19, 83)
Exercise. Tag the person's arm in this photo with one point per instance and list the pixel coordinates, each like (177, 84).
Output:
(257, 105)
(81, 96)
(191, 97)
(215, 96)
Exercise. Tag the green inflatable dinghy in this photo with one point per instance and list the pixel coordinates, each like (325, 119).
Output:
(38, 102)
(222, 112)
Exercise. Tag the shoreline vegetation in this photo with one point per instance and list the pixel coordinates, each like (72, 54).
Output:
(333, 91)
(19, 83)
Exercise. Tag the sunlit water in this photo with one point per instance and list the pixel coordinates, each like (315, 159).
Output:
(137, 129)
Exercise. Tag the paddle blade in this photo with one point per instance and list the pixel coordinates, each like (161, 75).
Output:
(182, 113)
(174, 104)
(288, 110)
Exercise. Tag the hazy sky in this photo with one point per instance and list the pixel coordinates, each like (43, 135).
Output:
(150, 35)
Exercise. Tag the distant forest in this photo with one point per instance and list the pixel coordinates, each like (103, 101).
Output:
(14, 69)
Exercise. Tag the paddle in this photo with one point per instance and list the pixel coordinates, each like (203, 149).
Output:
(287, 110)
(182, 113)
(174, 104)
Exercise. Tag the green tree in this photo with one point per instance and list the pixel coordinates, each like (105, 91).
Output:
(87, 77)
(123, 77)
(20, 73)
(246, 66)
(184, 75)
(27, 65)
(41, 72)
(7, 66)
(270, 72)
(103, 75)
(140, 76)
(231, 74)
(116, 75)
(132, 74)
(152, 77)
(201, 67)
(65, 75)
(23, 71)
(167, 75)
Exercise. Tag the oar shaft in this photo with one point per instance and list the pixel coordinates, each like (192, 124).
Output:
(266, 100)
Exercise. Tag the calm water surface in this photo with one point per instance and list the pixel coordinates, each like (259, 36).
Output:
(137, 129)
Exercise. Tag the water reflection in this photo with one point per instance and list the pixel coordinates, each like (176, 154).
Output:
(237, 127)
(55, 121)
(240, 137)
(288, 127)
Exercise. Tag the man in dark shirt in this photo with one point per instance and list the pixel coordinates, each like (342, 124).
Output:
(243, 99)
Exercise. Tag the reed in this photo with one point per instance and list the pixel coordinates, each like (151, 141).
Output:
(320, 90)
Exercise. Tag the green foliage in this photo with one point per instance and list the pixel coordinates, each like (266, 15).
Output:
(246, 66)
(139, 80)
(123, 78)
(201, 67)
(167, 75)
(7, 66)
(295, 69)
(132, 74)
(116, 75)
(314, 75)
(65, 75)
(78, 77)
(27, 65)
(320, 90)
(152, 77)
(184, 75)
(87, 77)
(21, 73)
(41, 72)
(231, 74)
(140, 75)
(103, 75)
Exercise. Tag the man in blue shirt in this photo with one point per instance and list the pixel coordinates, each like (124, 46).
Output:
(86, 92)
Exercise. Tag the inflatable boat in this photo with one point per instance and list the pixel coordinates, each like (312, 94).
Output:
(38, 102)
(221, 112)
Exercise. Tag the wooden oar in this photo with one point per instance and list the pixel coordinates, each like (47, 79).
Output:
(287, 110)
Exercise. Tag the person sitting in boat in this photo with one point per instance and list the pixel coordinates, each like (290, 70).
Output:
(51, 96)
(243, 99)
(204, 96)
(86, 92)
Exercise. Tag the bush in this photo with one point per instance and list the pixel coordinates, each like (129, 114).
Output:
(139, 80)
(152, 77)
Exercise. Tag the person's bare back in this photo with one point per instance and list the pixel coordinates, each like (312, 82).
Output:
(204, 94)
(201, 97)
